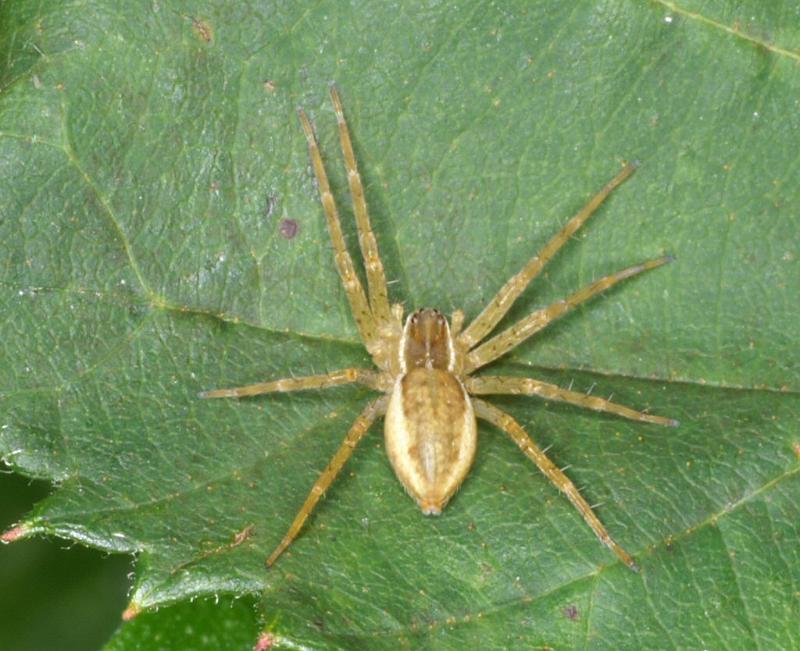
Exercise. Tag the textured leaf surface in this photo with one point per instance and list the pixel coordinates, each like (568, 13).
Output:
(153, 175)
(205, 625)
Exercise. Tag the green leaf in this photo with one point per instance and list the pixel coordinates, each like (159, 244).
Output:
(206, 625)
(153, 173)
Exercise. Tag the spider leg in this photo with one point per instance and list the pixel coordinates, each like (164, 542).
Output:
(357, 431)
(456, 322)
(530, 387)
(366, 377)
(376, 279)
(496, 309)
(344, 263)
(511, 337)
(503, 421)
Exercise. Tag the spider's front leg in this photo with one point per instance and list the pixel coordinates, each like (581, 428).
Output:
(359, 305)
(513, 336)
(379, 325)
(376, 279)
(503, 421)
(496, 309)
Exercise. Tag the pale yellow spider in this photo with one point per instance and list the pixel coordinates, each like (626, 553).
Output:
(425, 366)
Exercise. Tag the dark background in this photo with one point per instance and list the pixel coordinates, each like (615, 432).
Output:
(56, 595)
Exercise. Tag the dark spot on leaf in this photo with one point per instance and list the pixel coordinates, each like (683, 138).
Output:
(202, 30)
(571, 612)
(288, 228)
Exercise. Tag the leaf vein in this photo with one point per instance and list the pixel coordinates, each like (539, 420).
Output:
(733, 31)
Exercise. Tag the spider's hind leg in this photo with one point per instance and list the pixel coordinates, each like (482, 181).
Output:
(357, 431)
(503, 421)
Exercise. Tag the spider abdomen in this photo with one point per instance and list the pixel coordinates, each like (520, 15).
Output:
(431, 435)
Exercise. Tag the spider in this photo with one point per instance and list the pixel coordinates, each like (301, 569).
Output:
(425, 365)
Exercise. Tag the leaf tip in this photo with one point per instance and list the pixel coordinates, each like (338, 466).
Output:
(131, 611)
(15, 533)
(265, 641)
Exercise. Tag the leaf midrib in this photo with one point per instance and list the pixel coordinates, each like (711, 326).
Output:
(161, 306)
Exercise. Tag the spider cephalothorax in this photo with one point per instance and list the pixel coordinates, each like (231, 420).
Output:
(426, 342)
(424, 368)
